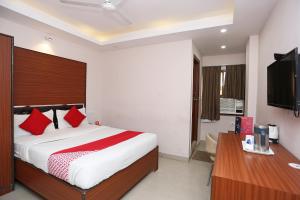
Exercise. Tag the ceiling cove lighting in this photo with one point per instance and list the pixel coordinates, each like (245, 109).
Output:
(223, 30)
(223, 47)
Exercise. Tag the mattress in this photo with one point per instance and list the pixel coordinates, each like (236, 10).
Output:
(88, 170)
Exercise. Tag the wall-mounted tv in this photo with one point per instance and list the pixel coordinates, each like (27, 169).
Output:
(283, 84)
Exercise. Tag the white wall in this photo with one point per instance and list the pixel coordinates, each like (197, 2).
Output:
(35, 40)
(280, 35)
(145, 88)
(225, 123)
(252, 53)
(196, 52)
(149, 89)
(226, 59)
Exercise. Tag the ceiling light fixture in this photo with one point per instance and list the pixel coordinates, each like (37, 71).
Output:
(223, 30)
(223, 47)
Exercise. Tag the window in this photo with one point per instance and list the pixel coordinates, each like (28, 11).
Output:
(223, 91)
(229, 106)
(222, 81)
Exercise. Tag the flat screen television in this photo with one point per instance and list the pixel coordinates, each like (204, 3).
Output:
(283, 81)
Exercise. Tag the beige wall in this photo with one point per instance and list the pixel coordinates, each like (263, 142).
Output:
(280, 35)
(149, 89)
(225, 123)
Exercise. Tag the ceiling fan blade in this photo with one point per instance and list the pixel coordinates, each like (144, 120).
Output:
(116, 14)
(78, 3)
(121, 18)
(116, 2)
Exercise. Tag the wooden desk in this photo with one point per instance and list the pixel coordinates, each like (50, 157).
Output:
(238, 175)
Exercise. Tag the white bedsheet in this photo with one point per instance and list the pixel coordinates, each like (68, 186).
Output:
(89, 170)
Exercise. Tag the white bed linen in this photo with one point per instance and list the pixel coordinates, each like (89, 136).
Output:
(89, 170)
(20, 118)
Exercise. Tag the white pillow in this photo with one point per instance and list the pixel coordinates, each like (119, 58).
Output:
(62, 123)
(19, 119)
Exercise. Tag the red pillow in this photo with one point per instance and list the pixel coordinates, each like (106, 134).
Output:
(74, 117)
(36, 123)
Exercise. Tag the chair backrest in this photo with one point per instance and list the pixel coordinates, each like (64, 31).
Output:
(211, 144)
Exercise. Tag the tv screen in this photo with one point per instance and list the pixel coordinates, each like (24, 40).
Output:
(281, 81)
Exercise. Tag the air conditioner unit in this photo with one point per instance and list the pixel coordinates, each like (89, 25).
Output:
(231, 106)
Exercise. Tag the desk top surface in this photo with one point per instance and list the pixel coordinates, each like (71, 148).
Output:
(266, 171)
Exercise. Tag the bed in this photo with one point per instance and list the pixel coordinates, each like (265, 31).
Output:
(88, 173)
(102, 174)
(91, 169)
(58, 81)
(50, 187)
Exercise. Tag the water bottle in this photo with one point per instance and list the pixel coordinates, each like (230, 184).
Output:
(261, 138)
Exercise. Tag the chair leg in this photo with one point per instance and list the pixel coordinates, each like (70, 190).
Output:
(209, 178)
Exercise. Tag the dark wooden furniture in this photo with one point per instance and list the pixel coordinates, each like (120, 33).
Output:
(6, 124)
(112, 188)
(196, 100)
(241, 175)
(41, 79)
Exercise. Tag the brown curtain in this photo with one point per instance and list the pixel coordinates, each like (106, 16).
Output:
(234, 86)
(211, 93)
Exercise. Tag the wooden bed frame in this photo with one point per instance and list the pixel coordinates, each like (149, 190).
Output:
(112, 188)
(57, 80)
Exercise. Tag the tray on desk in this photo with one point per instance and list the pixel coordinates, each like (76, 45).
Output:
(270, 152)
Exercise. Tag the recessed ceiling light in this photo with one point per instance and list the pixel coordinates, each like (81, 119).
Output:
(223, 30)
(223, 47)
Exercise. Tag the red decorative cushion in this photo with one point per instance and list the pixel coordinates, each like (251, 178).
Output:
(74, 117)
(36, 123)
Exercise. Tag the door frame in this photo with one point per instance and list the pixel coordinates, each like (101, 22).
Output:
(195, 122)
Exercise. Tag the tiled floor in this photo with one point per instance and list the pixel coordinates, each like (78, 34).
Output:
(174, 180)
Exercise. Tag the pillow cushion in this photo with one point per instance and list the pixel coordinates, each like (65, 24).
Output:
(62, 123)
(36, 123)
(74, 117)
(20, 118)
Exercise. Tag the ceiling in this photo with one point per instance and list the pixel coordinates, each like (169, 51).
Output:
(152, 21)
(143, 14)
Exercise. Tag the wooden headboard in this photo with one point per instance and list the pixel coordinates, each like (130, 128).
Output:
(42, 79)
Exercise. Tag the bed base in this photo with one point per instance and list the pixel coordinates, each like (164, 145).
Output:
(113, 188)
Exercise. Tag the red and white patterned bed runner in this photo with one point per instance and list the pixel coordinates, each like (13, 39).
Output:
(59, 162)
